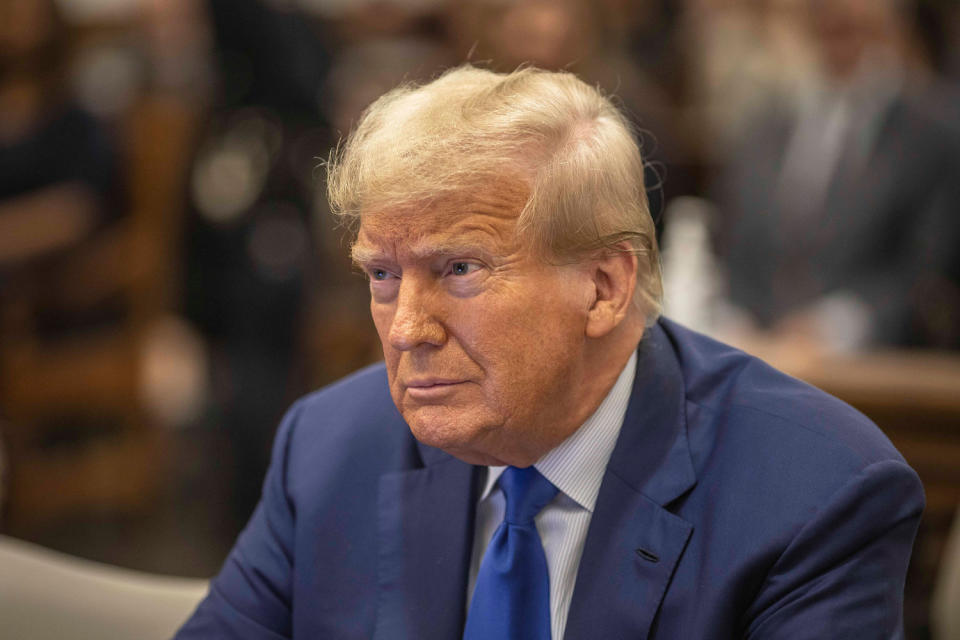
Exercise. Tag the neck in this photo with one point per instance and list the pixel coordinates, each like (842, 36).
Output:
(604, 360)
(607, 356)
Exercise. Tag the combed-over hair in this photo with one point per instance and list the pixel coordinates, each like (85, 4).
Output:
(572, 148)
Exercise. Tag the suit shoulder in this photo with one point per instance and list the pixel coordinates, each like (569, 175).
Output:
(740, 392)
(366, 388)
(771, 452)
(354, 417)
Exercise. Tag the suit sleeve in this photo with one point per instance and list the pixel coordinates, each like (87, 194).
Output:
(251, 596)
(842, 575)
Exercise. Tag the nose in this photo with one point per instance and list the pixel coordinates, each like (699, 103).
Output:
(416, 318)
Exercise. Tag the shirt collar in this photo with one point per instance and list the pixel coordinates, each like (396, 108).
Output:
(576, 466)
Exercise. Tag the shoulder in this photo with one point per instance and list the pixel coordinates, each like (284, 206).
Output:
(737, 403)
(798, 502)
(351, 421)
(354, 396)
(782, 463)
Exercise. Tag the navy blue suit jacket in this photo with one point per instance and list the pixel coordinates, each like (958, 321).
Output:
(763, 508)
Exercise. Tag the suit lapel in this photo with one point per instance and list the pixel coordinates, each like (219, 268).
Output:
(626, 566)
(634, 543)
(426, 535)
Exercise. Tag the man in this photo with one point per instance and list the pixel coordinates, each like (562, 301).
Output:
(682, 488)
(840, 229)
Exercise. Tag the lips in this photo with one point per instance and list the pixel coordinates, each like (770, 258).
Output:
(432, 389)
(422, 383)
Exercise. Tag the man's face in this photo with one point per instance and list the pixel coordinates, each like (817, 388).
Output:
(483, 340)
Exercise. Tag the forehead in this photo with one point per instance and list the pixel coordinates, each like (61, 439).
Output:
(485, 216)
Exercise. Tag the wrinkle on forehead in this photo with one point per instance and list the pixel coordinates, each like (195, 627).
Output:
(484, 217)
(493, 236)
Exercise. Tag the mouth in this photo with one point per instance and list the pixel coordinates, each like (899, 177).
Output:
(432, 388)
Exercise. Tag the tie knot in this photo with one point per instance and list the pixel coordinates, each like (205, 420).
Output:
(526, 491)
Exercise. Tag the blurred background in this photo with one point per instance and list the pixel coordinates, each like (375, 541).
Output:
(171, 279)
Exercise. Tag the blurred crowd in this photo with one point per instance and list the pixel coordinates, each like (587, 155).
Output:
(166, 254)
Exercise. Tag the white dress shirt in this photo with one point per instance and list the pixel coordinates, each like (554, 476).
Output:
(576, 468)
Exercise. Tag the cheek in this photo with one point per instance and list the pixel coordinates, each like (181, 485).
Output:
(382, 319)
(530, 347)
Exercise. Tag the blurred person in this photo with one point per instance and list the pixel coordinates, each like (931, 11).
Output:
(248, 235)
(177, 38)
(593, 41)
(552, 35)
(359, 21)
(60, 186)
(740, 55)
(840, 209)
(541, 455)
(59, 179)
(363, 71)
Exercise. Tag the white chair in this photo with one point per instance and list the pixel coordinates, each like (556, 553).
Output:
(46, 595)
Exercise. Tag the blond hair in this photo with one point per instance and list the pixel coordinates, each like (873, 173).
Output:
(572, 148)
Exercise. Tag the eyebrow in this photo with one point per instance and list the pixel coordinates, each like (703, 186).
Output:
(362, 254)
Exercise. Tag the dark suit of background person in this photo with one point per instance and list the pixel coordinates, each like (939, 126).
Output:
(884, 229)
(738, 502)
(850, 194)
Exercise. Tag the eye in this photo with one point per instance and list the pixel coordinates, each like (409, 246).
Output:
(463, 268)
(379, 274)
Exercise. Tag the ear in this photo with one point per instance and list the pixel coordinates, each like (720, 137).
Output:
(614, 275)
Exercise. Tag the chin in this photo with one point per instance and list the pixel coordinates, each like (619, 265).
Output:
(451, 431)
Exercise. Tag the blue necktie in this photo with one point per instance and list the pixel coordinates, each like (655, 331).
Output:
(511, 599)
